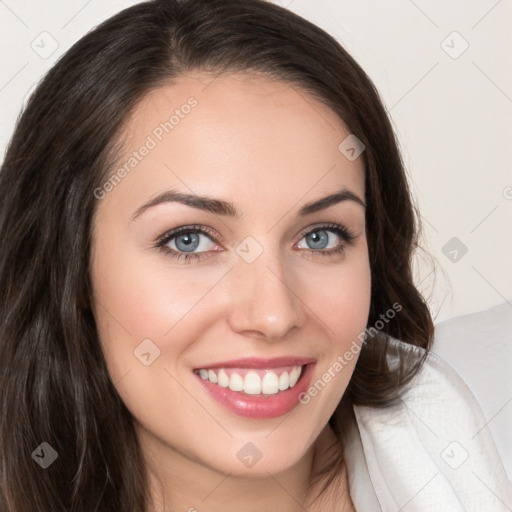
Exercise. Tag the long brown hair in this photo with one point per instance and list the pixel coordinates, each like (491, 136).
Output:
(54, 383)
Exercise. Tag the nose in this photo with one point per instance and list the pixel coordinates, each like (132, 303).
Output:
(265, 300)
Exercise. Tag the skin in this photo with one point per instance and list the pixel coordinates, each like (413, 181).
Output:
(279, 155)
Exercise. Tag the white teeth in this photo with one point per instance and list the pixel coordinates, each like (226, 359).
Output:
(252, 383)
(236, 383)
(223, 379)
(270, 384)
(284, 381)
(294, 376)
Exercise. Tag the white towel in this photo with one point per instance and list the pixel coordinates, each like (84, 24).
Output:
(431, 451)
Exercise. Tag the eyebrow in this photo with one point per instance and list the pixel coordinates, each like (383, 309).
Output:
(227, 208)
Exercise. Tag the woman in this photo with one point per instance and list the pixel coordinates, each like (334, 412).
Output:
(208, 301)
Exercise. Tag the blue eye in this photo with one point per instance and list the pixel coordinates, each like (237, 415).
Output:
(183, 243)
(186, 239)
(320, 237)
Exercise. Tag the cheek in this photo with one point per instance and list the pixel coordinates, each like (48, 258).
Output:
(138, 295)
(137, 300)
(340, 296)
(143, 297)
(348, 305)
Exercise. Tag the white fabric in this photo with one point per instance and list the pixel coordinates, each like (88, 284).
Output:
(478, 346)
(432, 451)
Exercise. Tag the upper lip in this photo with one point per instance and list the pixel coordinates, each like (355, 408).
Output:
(260, 363)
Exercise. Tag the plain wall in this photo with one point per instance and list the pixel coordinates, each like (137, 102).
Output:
(451, 111)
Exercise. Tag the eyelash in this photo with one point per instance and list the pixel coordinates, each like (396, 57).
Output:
(345, 234)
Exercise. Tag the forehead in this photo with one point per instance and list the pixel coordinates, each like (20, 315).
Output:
(232, 133)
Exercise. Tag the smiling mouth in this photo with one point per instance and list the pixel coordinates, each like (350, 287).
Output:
(252, 381)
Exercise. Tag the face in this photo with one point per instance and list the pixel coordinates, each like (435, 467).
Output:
(212, 302)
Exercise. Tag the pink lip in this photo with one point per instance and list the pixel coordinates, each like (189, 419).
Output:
(260, 406)
(258, 362)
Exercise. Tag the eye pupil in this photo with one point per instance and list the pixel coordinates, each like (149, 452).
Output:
(319, 240)
(188, 241)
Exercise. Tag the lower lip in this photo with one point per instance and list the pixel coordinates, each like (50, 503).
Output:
(260, 406)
